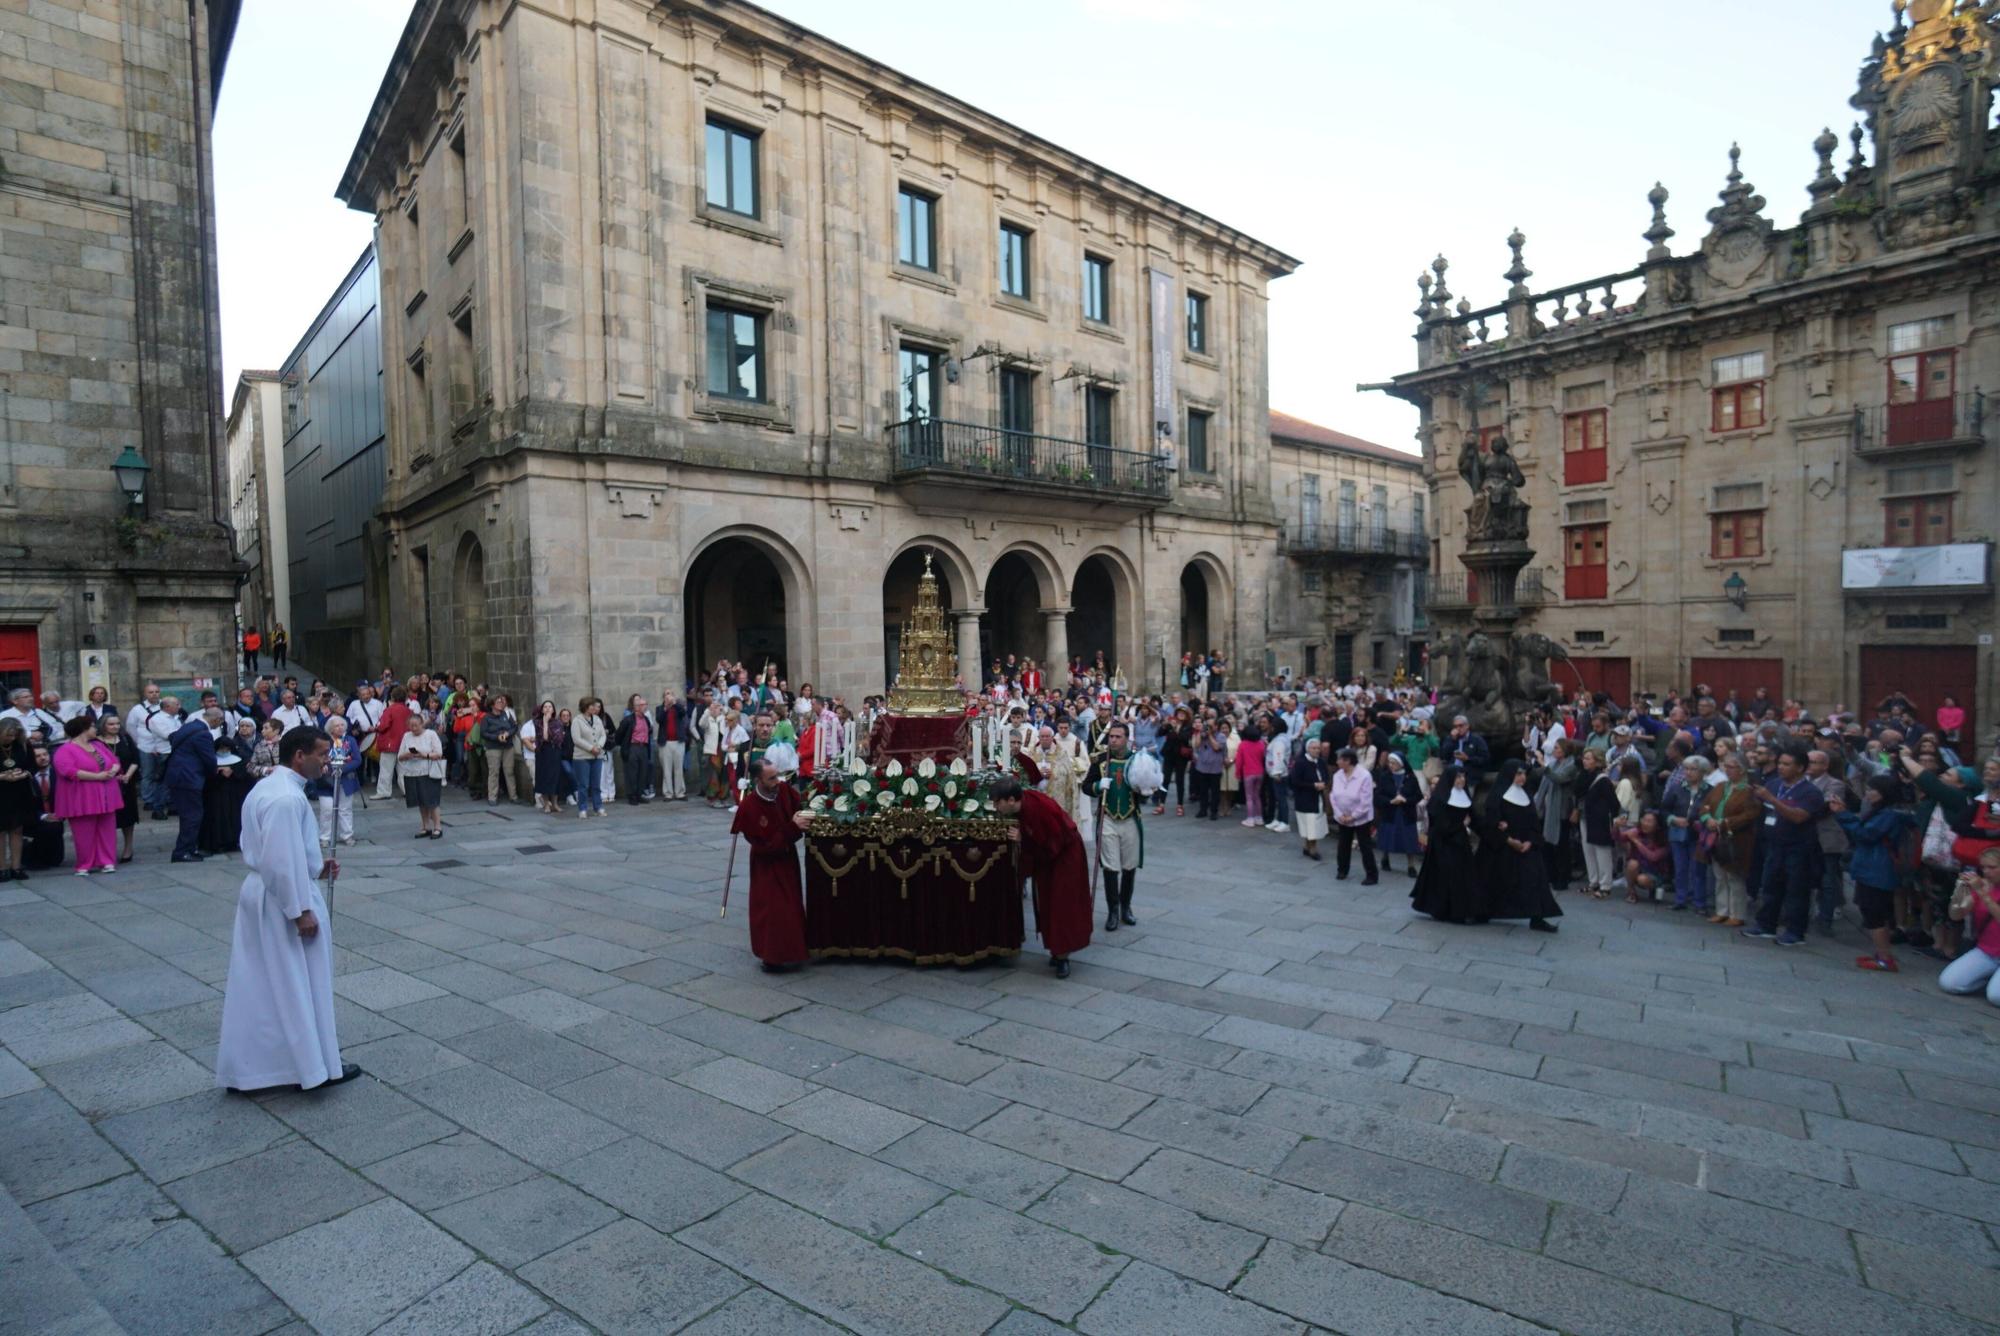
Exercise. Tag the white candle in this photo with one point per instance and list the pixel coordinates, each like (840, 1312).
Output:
(978, 738)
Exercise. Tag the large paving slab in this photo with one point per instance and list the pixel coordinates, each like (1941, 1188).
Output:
(1280, 1103)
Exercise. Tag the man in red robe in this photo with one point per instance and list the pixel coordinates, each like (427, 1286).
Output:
(771, 819)
(1054, 850)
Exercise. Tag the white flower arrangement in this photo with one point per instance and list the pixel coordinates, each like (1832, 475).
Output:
(926, 768)
(932, 802)
(910, 787)
(841, 804)
(863, 787)
(969, 805)
(885, 797)
(893, 770)
(818, 804)
(958, 766)
(951, 788)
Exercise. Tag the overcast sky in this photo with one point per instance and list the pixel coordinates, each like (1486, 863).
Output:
(1361, 138)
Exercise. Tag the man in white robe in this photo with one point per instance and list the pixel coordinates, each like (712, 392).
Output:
(277, 1010)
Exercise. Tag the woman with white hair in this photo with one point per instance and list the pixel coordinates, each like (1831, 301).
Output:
(420, 762)
(1680, 804)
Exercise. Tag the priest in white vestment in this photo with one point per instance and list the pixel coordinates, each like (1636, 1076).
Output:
(277, 1010)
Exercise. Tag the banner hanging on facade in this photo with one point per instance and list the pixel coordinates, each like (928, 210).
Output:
(1163, 352)
(1944, 566)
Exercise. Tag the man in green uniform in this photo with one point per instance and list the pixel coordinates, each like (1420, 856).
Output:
(1121, 841)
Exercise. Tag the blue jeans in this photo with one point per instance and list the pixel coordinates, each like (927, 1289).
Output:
(188, 807)
(1832, 886)
(1690, 875)
(1791, 874)
(153, 780)
(587, 778)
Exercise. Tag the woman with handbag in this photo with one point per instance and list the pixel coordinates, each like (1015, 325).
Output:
(1729, 813)
(1873, 835)
(1249, 769)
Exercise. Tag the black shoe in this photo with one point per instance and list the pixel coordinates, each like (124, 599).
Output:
(1062, 968)
(1369, 881)
(421, 835)
(1125, 917)
(6, 874)
(348, 1071)
(1111, 921)
(185, 858)
(20, 874)
(1540, 925)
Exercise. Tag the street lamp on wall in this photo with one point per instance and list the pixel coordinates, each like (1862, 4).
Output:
(1737, 591)
(131, 470)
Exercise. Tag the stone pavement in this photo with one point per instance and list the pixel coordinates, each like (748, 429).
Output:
(1281, 1103)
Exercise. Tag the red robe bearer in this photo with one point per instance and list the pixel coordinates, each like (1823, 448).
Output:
(777, 891)
(1053, 851)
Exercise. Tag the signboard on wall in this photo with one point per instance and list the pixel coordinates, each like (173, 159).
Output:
(93, 669)
(1948, 565)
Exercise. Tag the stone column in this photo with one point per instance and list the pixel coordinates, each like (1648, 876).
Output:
(1055, 645)
(970, 670)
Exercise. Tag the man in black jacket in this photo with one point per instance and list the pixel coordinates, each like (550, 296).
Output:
(189, 766)
(1466, 748)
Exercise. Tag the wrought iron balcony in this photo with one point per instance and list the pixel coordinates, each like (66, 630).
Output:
(931, 449)
(1461, 592)
(1927, 426)
(1358, 539)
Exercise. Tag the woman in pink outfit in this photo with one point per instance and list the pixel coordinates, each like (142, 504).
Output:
(88, 797)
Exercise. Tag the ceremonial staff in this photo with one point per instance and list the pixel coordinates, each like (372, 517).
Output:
(728, 874)
(333, 860)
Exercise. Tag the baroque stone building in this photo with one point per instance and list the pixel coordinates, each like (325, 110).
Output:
(1348, 583)
(1767, 461)
(108, 345)
(700, 329)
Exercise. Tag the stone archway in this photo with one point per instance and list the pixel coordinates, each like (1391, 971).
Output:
(1103, 604)
(747, 600)
(468, 599)
(1205, 621)
(1016, 595)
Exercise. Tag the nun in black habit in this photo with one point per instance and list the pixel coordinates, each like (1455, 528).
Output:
(1448, 887)
(1511, 854)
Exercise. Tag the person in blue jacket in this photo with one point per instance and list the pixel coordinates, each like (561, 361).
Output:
(1874, 834)
(190, 763)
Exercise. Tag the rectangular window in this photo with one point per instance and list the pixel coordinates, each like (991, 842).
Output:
(1309, 509)
(1312, 660)
(1918, 621)
(1419, 523)
(735, 353)
(459, 203)
(732, 168)
(1017, 400)
(1378, 516)
(424, 421)
(463, 389)
(1735, 534)
(1917, 335)
(1097, 289)
(1917, 521)
(1737, 401)
(1099, 415)
(1309, 582)
(1487, 435)
(1918, 479)
(1197, 322)
(917, 376)
(1197, 441)
(1586, 512)
(1015, 256)
(1378, 655)
(1736, 635)
(1346, 517)
(1584, 458)
(1584, 570)
(916, 228)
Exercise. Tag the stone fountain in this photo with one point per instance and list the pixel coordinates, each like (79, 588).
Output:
(1488, 668)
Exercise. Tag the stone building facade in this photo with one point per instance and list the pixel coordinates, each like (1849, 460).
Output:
(1347, 584)
(254, 439)
(700, 329)
(1767, 461)
(108, 342)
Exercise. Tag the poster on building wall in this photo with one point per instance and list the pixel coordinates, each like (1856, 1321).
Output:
(92, 670)
(1163, 352)
(1945, 566)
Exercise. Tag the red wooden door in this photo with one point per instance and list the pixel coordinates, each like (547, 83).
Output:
(1612, 676)
(1926, 674)
(20, 660)
(1746, 675)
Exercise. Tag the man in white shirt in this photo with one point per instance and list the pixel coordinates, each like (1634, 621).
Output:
(153, 750)
(364, 716)
(21, 707)
(290, 713)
